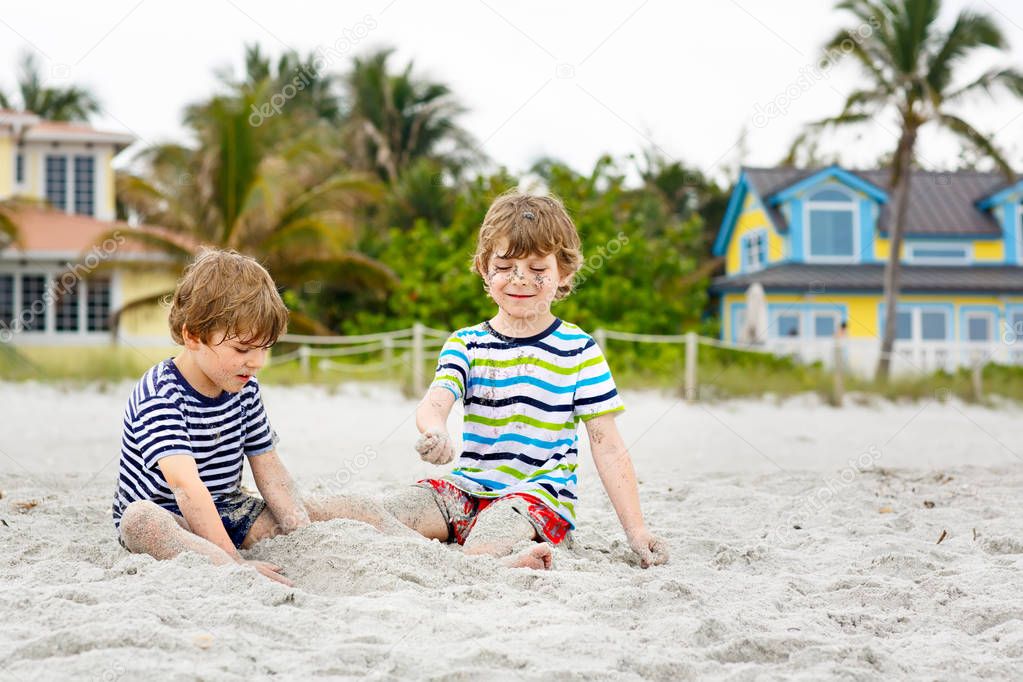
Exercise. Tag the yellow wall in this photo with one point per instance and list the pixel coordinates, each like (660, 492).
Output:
(34, 171)
(35, 155)
(6, 166)
(984, 250)
(992, 250)
(864, 310)
(883, 248)
(752, 218)
(150, 320)
(106, 203)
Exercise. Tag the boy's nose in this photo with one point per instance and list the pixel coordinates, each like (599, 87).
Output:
(257, 360)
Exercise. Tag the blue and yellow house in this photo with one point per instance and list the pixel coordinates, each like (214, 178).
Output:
(64, 274)
(817, 241)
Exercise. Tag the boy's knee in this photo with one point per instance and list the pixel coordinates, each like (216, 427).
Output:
(141, 520)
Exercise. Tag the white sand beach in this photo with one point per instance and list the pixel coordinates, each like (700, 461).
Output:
(804, 545)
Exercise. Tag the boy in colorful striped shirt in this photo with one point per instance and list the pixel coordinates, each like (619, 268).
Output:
(526, 378)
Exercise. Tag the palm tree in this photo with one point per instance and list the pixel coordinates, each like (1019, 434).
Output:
(395, 119)
(289, 204)
(911, 65)
(314, 92)
(8, 227)
(53, 104)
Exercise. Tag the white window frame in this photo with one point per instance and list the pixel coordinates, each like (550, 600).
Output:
(916, 324)
(46, 333)
(852, 206)
(776, 327)
(746, 249)
(738, 322)
(69, 152)
(23, 182)
(966, 259)
(986, 314)
(833, 314)
(1013, 331)
(73, 173)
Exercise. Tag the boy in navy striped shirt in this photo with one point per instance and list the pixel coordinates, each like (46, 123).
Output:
(192, 420)
(526, 378)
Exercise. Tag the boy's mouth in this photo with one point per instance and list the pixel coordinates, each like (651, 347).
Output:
(521, 295)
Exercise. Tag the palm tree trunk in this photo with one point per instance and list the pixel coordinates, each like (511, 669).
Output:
(900, 182)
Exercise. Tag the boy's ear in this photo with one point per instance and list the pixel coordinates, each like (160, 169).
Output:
(191, 340)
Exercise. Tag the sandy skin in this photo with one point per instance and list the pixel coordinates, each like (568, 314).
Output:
(497, 533)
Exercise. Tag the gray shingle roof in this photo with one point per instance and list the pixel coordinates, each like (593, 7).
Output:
(820, 279)
(939, 203)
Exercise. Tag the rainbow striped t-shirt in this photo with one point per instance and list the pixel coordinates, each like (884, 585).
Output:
(523, 400)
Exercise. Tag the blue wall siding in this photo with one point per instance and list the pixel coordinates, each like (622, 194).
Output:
(867, 231)
(797, 250)
(1010, 230)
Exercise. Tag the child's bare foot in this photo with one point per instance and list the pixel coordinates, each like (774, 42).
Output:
(538, 557)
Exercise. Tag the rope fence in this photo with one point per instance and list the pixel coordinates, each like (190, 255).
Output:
(409, 347)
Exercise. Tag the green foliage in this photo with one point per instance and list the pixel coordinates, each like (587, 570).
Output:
(639, 259)
(71, 103)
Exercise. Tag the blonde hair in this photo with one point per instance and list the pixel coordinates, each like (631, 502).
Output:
(532, 224)
(226, 291)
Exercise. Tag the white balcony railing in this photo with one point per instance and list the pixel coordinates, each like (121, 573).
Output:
(911, 357)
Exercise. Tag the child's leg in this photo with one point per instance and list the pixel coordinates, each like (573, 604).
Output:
(496, 532)
(416, 508)
(360, 509)
(147, 528)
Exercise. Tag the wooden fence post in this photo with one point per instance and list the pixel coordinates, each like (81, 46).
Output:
(417, 359)
(838, 386)
(977, 379)
(691, 358)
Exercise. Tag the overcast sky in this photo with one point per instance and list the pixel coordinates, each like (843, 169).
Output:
(572, 80)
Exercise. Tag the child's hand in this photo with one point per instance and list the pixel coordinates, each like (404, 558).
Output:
(652, 550)
(434, 446)
(271, 571)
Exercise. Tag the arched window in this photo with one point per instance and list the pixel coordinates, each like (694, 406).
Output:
(831, 225)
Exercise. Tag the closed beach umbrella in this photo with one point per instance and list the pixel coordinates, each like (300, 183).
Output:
(754, 330)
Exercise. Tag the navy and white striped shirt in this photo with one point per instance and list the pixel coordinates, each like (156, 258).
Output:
(166, 416)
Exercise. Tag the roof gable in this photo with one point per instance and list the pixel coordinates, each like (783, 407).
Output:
(941, 204)
(830, 173)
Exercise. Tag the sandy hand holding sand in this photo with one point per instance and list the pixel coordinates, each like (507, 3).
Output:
(434, 446)
(652, 550)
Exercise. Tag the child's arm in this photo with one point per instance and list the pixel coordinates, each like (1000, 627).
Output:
(434, 445)
(196, 505)
(619, 478)
(279, 492)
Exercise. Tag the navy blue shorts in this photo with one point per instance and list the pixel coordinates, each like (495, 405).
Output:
(237, 510)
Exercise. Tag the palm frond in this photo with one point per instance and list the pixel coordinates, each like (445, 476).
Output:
(979, 141)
